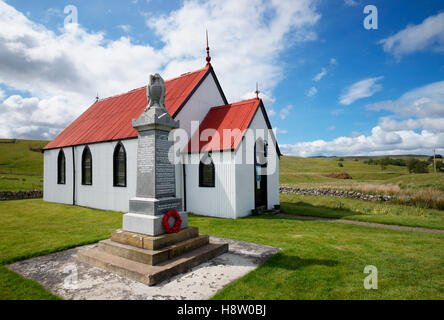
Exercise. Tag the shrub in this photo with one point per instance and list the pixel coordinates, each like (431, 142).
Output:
(416, 166)
(386, 161)
(340, 165)
(439, 166)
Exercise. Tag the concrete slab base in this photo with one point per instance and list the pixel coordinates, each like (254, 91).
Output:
(63, 275)
(148, 273)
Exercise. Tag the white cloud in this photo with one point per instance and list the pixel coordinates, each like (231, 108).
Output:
(2, 95)
(246, 38)
(281, 131)
(429, 35)
(333, 62)
(331, 128)
(62, 71)
(125, 28)
(420, 129)
(337, 112)
(283, 114)
(312, 92)
(378, 143)
(320, 75)
(351, 3)
(361, 89)
(271, 112)
(426, 101)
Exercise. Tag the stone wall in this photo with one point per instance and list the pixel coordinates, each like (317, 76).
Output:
(18, 195)
(333, 193)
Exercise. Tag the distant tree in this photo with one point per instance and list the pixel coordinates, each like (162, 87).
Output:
(421, 167)
(411, 164)
(438, 156)
(384, 162)
(416, 166)
(341, 159)
(439, 166)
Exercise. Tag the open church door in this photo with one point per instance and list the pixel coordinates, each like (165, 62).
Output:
(260, 177)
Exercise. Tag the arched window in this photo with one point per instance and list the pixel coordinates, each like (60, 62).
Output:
(206, 172)
(86, 167)
(61, 168)
(119, 160)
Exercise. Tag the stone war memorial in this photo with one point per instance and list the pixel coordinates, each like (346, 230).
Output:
(155, 242)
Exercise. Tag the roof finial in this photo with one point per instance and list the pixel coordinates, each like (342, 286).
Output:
(208, 52)
(97, 97)
(257, 91)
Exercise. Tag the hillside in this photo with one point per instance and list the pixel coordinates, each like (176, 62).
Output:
(21, 164)
(310, 172)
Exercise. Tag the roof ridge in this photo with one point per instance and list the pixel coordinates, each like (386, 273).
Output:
(187, 73)
(121, 94)
(175, 78)
(235, 103)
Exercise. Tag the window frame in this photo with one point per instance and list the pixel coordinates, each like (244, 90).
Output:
(115, 165)
(60, 156)
(203, 184)
(85, 150)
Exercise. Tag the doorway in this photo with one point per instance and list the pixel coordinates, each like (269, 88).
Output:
(260, 174)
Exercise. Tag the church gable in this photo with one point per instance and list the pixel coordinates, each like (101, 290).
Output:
(111, 118)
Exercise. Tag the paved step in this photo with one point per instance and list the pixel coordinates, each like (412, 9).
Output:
(149, 274)
(152, 257)
(153, 242)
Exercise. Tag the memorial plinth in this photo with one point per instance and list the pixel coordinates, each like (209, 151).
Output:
(142, 250)
(149, 259)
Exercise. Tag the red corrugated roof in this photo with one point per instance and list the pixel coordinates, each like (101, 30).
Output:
(111, 118)
(231, 116)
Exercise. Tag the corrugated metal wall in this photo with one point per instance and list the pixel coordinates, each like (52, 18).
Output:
(219, 201)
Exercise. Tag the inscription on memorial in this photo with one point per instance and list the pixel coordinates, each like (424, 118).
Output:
(165, 173)
(145, 154)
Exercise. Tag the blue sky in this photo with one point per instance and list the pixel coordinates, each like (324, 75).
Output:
(331, 87)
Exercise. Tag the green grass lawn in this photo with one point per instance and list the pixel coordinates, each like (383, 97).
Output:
(319, 260)
(32, 227)
(355, 209)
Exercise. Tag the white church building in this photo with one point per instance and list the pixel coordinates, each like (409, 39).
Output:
(93, 163)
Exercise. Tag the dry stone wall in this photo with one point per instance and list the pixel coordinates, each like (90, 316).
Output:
(333, 193)
(18, 195)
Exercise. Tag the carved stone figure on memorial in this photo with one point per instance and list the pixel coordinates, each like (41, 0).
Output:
(156, 92)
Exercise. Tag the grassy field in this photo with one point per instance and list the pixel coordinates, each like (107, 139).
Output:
(20, 167)
(423, 190)
(319, 260)
(310, 172)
